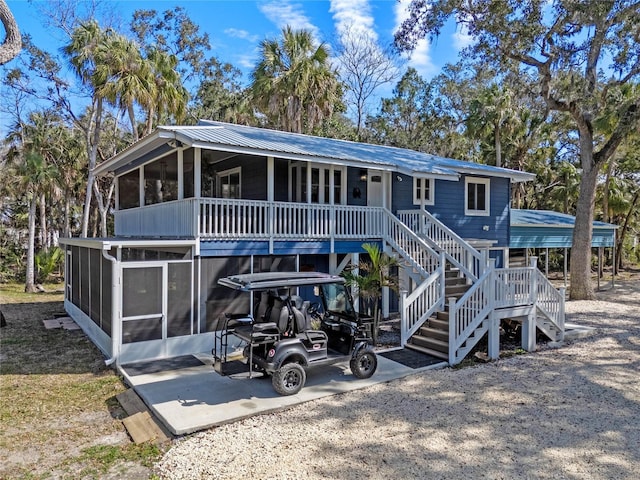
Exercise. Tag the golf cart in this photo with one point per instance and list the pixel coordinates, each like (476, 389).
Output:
(286, 334)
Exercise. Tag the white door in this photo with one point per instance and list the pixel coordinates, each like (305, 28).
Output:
(375, 189)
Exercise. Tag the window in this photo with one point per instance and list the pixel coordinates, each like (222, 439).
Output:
(423, 191)
(129, 190)
(320, 183)
(476, 195)
(229, 183)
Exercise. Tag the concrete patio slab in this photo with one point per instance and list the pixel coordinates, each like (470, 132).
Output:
(195, 398)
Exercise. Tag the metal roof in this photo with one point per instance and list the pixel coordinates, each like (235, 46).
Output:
(548, 218)
(548, 229)
(260, 141)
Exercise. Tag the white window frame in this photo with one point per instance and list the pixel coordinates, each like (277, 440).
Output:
(487, 197)
(226, 173)
(423, 183)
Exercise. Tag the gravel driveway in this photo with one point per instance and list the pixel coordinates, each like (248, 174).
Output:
(571, 412)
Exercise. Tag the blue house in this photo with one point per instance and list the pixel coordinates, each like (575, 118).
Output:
(196, 203)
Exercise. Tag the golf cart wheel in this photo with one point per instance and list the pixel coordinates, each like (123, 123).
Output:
(364, 364)
(289, 379)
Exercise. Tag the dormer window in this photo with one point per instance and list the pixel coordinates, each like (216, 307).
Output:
(423, 191)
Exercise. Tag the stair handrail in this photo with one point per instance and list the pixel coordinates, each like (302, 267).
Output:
(412, 247)
(424, 301)
(440, 237)
(550, 302)
(467, 313)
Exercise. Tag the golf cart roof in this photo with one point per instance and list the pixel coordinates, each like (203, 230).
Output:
(274, 280)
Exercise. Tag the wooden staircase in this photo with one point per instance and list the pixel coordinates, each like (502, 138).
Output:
(433, 337)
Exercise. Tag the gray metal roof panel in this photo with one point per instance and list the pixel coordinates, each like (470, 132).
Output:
(218, 133)
(548, 218)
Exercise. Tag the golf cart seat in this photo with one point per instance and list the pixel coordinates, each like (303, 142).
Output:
(303, 323)
(270, 322)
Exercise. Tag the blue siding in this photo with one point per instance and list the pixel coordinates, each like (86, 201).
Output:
(555, 237)
(449, 207)
(235, 248)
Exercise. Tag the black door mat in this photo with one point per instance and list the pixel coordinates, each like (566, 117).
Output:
(163, 365)
(411, 358)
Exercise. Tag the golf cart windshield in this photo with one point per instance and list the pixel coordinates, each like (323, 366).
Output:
(337, 299)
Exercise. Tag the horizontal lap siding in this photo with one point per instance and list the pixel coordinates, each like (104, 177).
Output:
(449, 207)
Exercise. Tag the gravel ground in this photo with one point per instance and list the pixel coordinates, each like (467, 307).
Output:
(560, 413)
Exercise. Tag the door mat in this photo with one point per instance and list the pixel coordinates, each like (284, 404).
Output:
(411, 358)
(162, 365)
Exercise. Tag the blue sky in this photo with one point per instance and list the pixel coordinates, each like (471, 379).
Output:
(236, 28)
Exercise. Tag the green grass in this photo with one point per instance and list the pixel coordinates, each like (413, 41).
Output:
(58, 416)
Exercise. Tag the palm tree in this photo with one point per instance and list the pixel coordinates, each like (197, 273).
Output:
(294, 84)
(33, 174)
(371, 277)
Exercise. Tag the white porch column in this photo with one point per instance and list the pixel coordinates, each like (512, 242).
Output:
(529, 332)
(270, 198)
(180, 174)
(197, 172)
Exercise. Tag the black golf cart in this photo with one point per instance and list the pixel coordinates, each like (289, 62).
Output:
(286, 334)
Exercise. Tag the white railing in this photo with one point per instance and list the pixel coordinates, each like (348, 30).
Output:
(550, 302)
(440, 237)
(170, 219)
(513, 287)
(468, 313)
(413, 248)
(220, 218)
(424, 301)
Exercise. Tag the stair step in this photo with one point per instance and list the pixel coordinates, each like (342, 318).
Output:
(428, 351)
(456, 290)
(451, 273)
(439, 323)
(431, 343)
(436, 333)
(443, 315)
(454, 281)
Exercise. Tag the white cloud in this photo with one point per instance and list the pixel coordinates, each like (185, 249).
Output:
(354, 16)
(242, 34)
(461, 39)
(420, 58)
(285, 12)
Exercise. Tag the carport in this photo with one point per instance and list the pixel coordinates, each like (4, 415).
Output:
(546, 229)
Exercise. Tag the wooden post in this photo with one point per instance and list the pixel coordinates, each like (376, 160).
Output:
(562, 313)
(494, 322)
(452, 331)
(403, 319)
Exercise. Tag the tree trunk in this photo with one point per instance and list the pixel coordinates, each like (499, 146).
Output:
(44, 233)
(12, 39)
(581, 287)
(30, 281)
(92, 150)
(617, 262)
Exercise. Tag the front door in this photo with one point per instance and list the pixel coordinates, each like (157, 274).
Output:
(375, 190)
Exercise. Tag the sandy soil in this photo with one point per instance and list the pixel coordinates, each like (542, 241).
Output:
(561, 413)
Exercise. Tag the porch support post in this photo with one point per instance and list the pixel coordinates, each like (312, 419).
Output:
(180, 174)
(529, 323)
(403, 318)
(494, 322)
(529, 331)
(453, 347)
(494, 337)
(270, 199)
(565, 267)
(197, 172)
